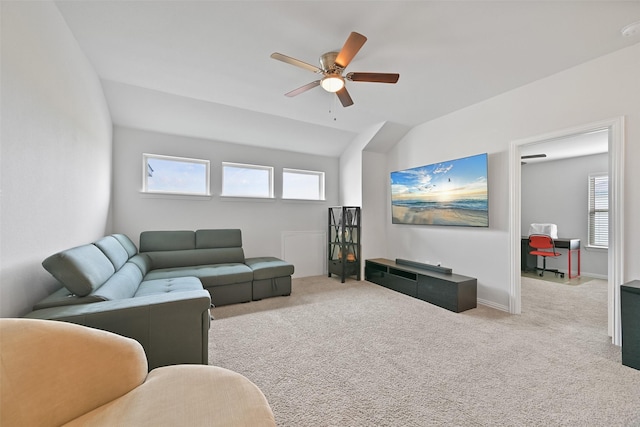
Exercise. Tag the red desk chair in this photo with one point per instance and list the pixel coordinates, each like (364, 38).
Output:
(541, 243)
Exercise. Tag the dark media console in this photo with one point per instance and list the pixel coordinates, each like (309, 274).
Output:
(434, 284)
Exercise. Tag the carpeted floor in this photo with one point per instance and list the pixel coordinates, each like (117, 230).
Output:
(550, 277)
(357, 354)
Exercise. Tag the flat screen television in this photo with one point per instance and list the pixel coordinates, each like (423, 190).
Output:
(446, 193)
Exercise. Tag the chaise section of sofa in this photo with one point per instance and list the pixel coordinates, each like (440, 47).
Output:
(271, 277)
(103, 287)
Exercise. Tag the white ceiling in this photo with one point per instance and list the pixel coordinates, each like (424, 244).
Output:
(584, 144)
(203, 68)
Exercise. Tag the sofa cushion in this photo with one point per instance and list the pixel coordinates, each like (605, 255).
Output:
(82, 269)
(194, 257)
(269, 267)
(226, 238)
(209, 275)
(225, 274)
(113, 249)
(123, 284)
(164, 286)
(167, 240)
(142, 261)
(126, 243)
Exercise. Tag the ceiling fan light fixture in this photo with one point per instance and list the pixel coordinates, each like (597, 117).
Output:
(332, 83)
(332, 65)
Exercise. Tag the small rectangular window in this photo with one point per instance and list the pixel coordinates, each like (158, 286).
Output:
(240, 180)
(175, 175)
(302, 184)
(599, 210)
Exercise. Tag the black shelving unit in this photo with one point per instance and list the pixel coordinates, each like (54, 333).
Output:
(344, 241)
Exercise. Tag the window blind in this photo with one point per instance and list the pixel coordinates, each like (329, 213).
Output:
(599, 210)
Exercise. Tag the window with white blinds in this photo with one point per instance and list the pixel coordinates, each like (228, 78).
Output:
(599, 210)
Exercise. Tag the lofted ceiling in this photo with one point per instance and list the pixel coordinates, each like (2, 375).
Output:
(582, 144)
(203, 68)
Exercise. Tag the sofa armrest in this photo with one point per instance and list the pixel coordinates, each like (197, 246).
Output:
(172, 328)
(54, 372)
(186, 395)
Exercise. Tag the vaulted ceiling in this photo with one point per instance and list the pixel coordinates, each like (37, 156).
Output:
(203, 68)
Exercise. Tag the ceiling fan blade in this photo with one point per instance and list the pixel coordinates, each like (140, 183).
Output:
(373, 77)
(302, 89)
(296, 62)
(344, 97)
(533, 156)
(350, 49)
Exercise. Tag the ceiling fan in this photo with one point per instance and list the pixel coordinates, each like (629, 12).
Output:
(531, 156)
(332, 65)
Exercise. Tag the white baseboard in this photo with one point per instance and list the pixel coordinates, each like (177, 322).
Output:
(587, 274)
(493, 305)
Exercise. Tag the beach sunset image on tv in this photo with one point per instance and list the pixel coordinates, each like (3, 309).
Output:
(448, 193)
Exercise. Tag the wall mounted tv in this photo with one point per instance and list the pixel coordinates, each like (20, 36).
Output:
(447, 193)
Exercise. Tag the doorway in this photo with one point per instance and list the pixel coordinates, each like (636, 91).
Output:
(615, 259)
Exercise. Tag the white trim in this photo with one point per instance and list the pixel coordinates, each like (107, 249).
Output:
(595, 276)
(268, 169)
(492, 304)
(145, 174)
(174, 196)
(319, 174)
(616, 216)
(515, 241)
(616, 225)
(247, 199)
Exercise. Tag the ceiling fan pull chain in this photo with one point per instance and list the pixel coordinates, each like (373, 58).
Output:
(333, 109)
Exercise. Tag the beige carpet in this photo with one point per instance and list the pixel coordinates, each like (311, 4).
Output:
(357, 354)
(550, 277)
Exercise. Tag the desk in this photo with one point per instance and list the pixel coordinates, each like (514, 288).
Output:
(530, 262)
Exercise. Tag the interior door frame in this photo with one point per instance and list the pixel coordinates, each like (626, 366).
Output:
(615, 268)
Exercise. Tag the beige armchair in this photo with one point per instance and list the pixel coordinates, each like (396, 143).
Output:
(57, 373)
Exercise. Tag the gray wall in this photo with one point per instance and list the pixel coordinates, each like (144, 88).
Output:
(56, 151)
(598, 90)
(557, 192)
(375, 209)
(292, 229)
(57, 166)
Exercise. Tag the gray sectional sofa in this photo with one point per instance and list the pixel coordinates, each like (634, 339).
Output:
(161, 294)
(215, 257)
